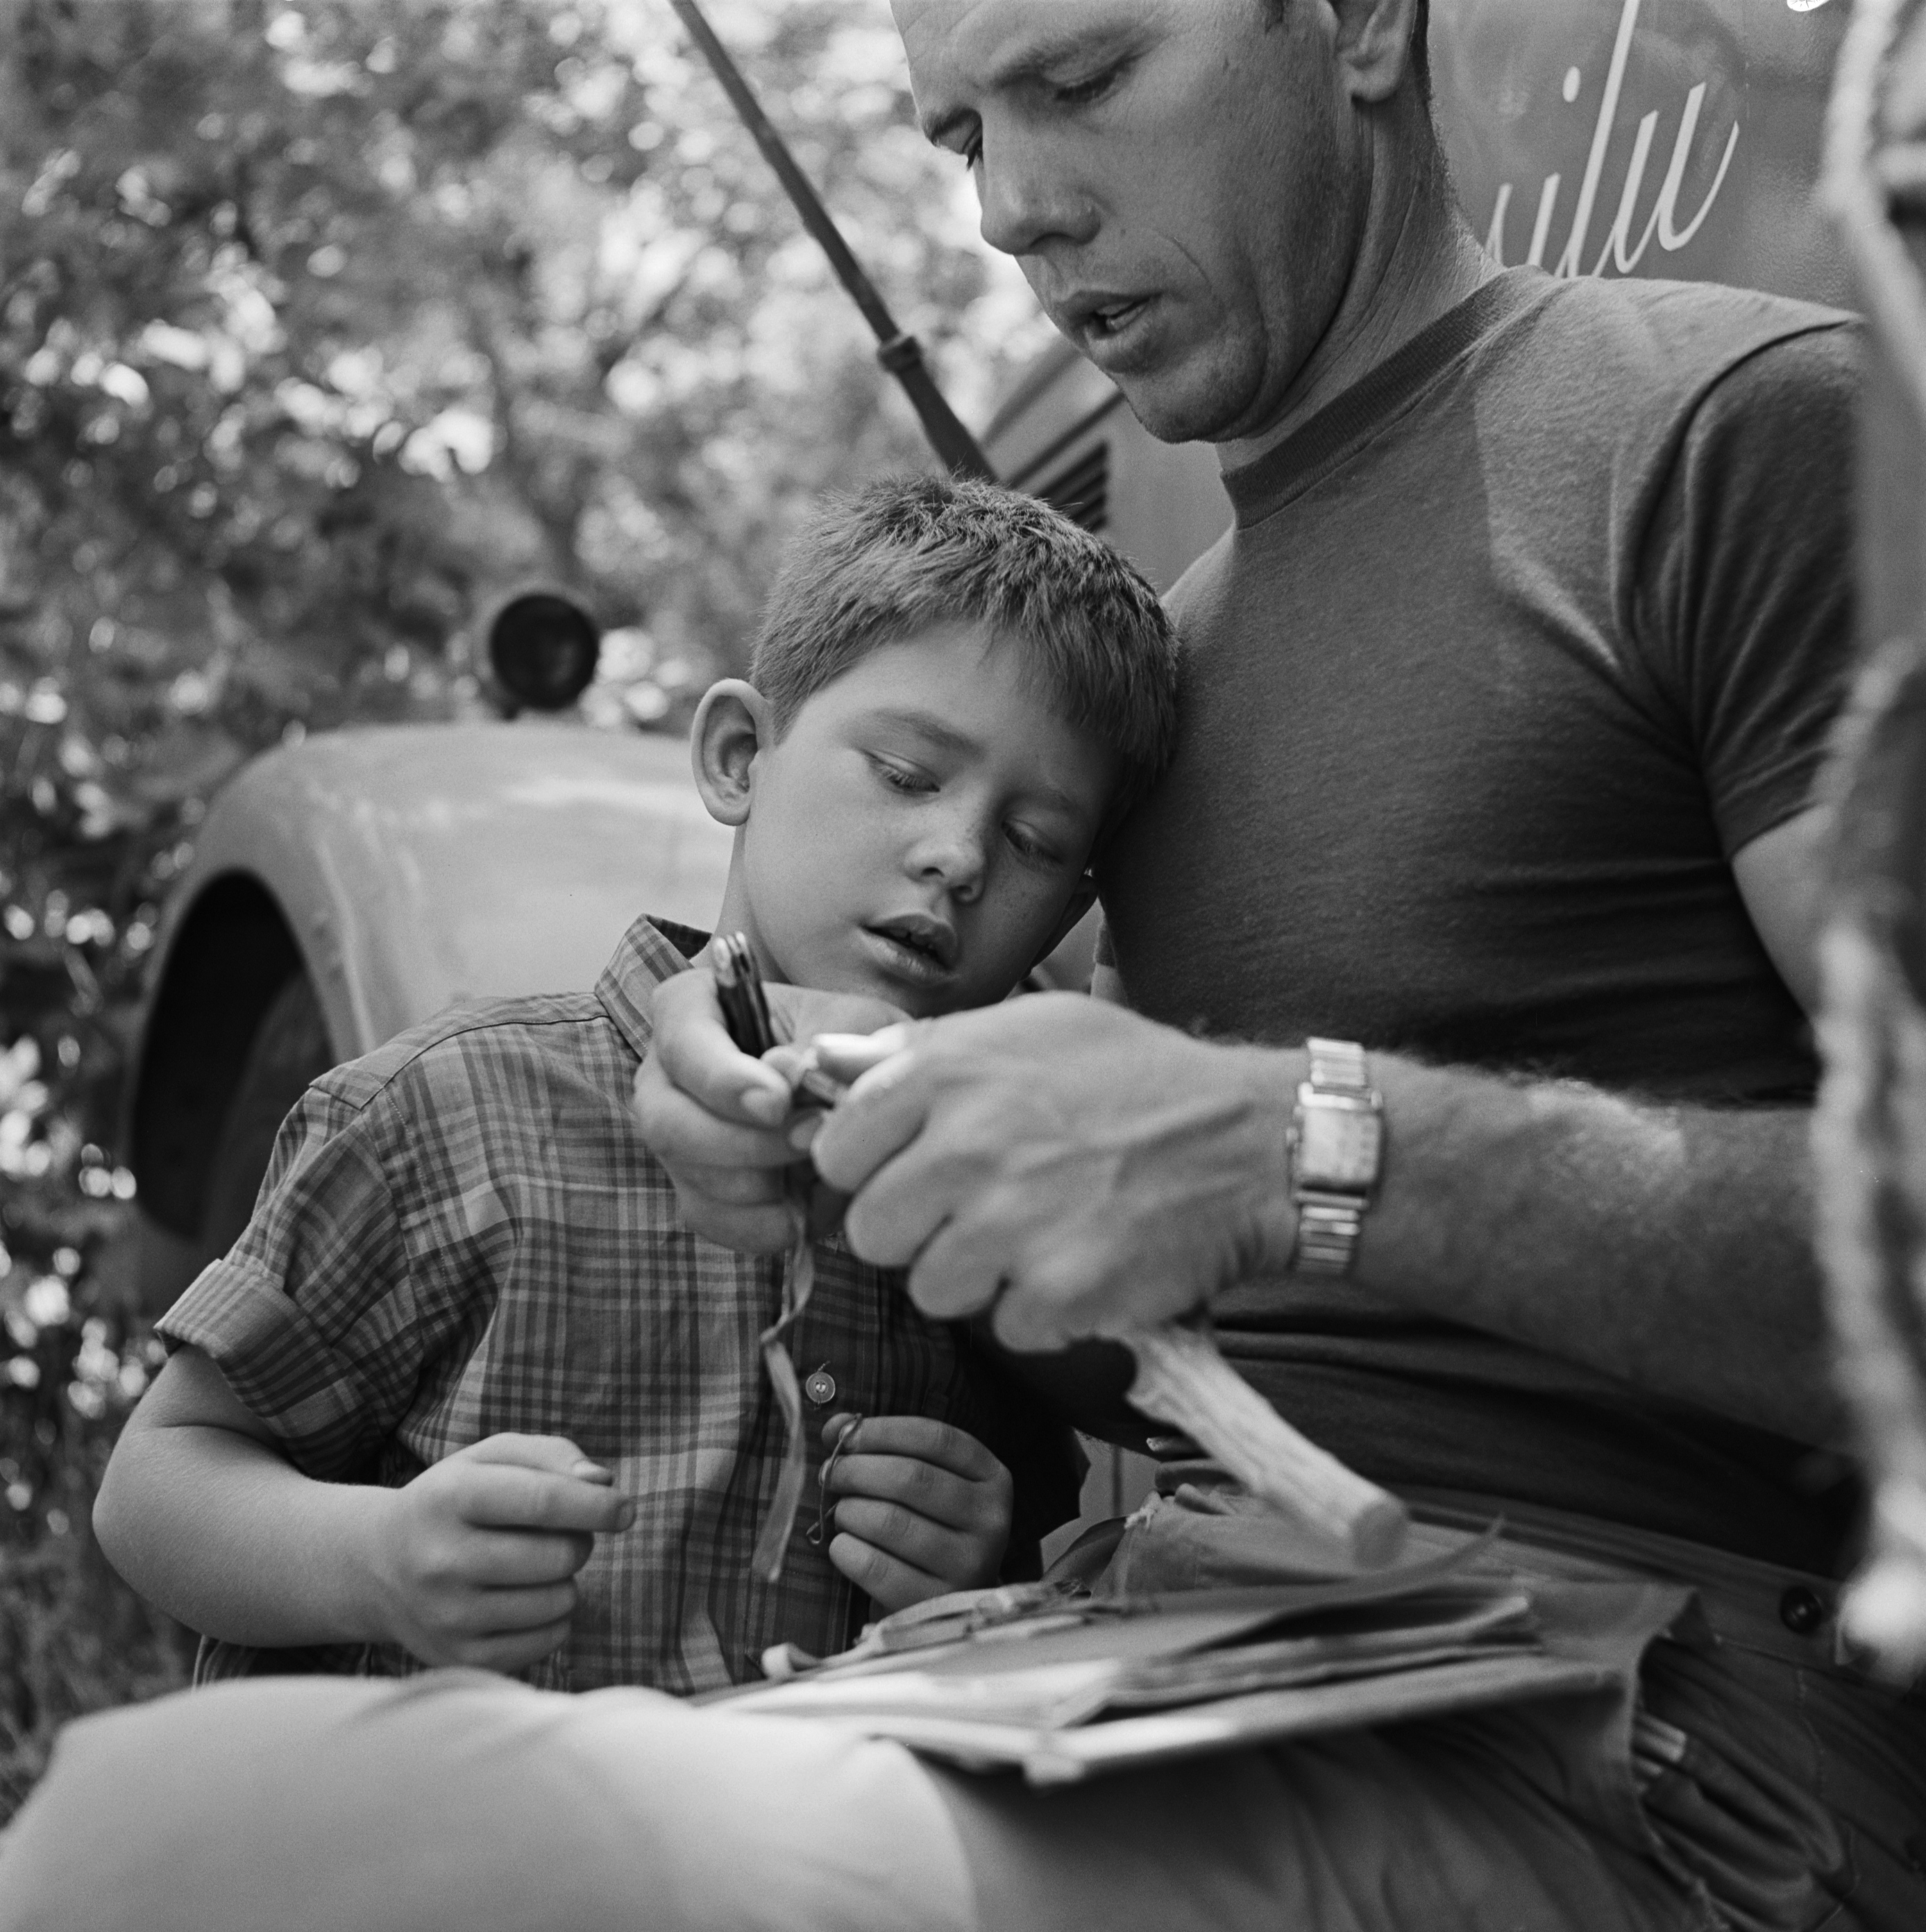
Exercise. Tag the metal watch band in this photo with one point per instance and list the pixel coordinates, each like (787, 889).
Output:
(1329, 1223)
(1337, 1066)
(1327, 1232)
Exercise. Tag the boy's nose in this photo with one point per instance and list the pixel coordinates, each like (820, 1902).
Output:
(954, 856)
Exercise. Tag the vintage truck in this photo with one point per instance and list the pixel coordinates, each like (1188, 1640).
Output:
(348, 887)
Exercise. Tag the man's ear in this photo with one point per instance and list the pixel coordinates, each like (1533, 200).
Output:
(733, 722)
(1081, 900)
(1374, 45)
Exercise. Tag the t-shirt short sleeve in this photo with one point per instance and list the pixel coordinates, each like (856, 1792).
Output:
(310, 1317)
(1746, 612)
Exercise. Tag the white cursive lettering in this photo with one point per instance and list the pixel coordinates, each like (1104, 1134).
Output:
(1602, 136)
(1541, 228)
(1671, 237)
(1619, 250)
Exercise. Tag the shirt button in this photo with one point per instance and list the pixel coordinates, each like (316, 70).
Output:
(1801, 1610)
(821, 1388)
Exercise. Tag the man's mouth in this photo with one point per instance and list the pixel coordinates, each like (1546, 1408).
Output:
(1099, 315)
(926, 948)
(1113, 318)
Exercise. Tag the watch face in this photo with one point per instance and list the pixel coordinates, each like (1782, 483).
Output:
(1340, 1142)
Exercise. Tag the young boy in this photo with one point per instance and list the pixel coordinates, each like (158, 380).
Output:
(465, 1343)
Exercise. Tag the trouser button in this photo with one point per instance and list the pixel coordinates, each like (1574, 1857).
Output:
(1801, 1610)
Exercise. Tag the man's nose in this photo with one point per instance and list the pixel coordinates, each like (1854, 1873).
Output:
(1030, 195)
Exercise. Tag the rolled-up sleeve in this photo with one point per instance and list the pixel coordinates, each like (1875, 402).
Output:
(310, 1316)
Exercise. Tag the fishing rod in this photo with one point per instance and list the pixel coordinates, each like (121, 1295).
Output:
(897, 350)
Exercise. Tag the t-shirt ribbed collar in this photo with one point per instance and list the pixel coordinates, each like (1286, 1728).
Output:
(1377, 398)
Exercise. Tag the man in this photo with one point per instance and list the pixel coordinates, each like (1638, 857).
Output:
(1300, 299)
(1505, 699)
(1504, 705)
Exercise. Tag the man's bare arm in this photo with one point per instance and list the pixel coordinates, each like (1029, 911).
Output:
(1114, 1172)
(1781, 877)
(1669, 1246)
(1088, 1171)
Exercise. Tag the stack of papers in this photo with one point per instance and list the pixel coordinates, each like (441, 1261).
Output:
(1061, 1688)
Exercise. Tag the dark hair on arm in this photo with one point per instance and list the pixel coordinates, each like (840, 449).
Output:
(906, 554)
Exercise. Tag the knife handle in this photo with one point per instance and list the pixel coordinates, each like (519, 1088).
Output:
(1181, 1379)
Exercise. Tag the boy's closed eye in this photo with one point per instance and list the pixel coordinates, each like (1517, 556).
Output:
(1037, 849)
(900, 777)
(900, 774)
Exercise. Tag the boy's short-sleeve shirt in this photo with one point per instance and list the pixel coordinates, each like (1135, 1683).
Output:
(462, 1235)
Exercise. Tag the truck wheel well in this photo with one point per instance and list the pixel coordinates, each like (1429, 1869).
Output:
(233, 954)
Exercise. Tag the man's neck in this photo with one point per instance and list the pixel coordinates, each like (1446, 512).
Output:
(1419, 261)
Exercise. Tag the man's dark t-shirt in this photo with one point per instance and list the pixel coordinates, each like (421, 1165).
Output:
(1511, 648)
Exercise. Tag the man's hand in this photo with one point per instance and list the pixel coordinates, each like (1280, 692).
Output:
(926, 1509)
(1104, 1171)
(715, 1118)
(475, 1559)
(1089, 1172)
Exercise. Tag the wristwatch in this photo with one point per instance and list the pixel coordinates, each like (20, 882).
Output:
(1337, 1153)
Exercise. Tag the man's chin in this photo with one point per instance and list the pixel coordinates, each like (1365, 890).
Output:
(1184, 405)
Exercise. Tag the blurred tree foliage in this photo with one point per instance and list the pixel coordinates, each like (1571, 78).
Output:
(322, 327)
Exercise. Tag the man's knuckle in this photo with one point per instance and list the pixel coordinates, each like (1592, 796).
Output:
(441, 1615)
(439, 1560)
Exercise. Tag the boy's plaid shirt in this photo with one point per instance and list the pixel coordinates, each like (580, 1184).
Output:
(462, 1234)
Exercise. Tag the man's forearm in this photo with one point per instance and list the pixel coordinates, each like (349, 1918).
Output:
(1671, 1247)
(1082, 1171)
(223, 1533)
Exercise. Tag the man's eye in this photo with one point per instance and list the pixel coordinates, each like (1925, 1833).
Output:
(1081, 93)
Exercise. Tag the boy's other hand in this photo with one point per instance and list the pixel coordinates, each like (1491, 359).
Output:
(717, 1119)
(925, 1508)
(475, 1559)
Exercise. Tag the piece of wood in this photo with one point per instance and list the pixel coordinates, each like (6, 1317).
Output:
(1182, 1379)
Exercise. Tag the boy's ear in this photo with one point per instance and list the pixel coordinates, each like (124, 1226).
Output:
(1081, 901)
(733, 722)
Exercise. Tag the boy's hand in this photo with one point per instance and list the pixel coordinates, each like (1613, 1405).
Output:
(718, 1120)
(926, 1509)
(474, 1558)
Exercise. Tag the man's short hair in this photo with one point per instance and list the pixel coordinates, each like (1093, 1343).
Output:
(908, 553)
